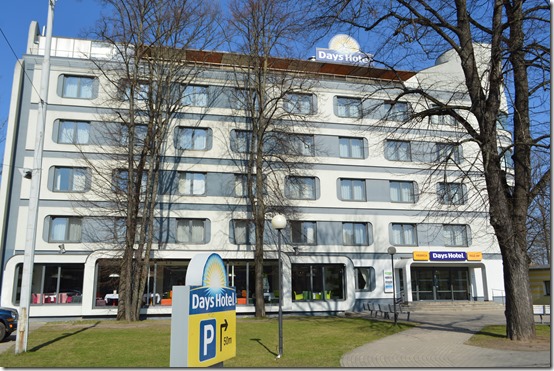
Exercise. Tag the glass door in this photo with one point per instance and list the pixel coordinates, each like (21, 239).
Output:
(440, 283)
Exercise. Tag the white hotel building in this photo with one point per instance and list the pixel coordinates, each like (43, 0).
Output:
(369, 187)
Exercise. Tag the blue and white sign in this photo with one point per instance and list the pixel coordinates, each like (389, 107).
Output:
(207, 339)
(447, 256)
(203, 318)
(343, 49)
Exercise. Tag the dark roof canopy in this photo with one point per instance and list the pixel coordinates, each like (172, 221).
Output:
(309, 66)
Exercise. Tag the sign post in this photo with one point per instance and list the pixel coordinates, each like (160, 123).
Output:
(203, 318)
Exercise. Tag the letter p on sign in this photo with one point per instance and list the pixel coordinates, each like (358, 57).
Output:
(207, 339)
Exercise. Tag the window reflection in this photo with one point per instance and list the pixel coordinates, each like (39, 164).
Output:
(53, 284)
(317, 282)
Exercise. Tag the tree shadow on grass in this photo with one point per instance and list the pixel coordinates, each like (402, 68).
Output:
(66, 335)
(259, 341)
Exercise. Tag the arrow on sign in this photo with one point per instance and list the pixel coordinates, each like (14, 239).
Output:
(222, 327)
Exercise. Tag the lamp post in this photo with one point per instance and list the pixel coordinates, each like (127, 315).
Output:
(279, 222)
(392, 250)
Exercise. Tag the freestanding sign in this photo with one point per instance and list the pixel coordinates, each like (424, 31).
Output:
(203, 318)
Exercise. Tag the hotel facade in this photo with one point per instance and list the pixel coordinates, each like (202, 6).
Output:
(371, 184)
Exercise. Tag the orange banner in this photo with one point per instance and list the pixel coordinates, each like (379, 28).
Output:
(421, 255)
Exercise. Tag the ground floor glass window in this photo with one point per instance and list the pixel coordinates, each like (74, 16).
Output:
(318, 282)
(52, 284)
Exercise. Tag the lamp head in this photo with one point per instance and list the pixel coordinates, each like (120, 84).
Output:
(279, 222)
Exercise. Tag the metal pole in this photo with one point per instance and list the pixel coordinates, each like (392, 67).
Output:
(32, 212)
(280, 295)
(393, 289)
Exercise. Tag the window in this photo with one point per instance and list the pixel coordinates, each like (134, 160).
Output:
(141, 131)
(300, 188)
(351, 147)
(404, 234)
(448, 152)
(121, 179)
(397, 150)
(78, 87)
(302, 145)
(195, 95)
(73, 132)
(64, 229)
(243, 232)
(192, 184)
(397, 111)
(141, 91)
(285, 143)
(53, 284)
(241, 141)
(244, 99)
(439, 119)
(303, 233)
(70, 179)
(365, 278)
(191, 230)
(349, 107)
(299, 104)
(455, 235)
(192, 138)
(120, 230)
(352, 190)
(241, 185)
(402, 191)
(451, 193)
(318, 282)
(354, 234)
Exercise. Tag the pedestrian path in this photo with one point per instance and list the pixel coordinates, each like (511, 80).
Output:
(438, 341)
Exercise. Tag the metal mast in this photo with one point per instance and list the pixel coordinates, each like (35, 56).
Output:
(32, 216)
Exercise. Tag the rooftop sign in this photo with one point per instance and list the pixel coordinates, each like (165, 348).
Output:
(343, 49)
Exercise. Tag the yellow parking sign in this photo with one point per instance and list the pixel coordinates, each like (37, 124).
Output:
(216, 340)
(203, 318)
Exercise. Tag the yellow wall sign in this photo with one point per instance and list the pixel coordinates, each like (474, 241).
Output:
(425, 256)
(420, 255)
(203, 318)
(478, 256)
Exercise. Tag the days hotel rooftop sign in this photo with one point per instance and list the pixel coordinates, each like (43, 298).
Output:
(343, 49)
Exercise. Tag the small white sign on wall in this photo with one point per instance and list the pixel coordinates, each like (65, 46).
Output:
(387, 276)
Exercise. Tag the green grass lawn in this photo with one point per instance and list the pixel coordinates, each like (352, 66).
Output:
(308, 342)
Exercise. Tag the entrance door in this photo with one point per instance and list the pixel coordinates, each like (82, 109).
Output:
(440, 283)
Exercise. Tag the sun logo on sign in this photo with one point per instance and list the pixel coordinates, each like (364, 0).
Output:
(214, 277)
(344, 44)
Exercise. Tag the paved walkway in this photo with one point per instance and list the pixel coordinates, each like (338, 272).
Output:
(438, 341)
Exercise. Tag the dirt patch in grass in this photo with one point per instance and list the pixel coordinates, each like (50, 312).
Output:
(494, 337)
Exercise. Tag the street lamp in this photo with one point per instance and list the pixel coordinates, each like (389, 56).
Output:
(392, 250)
(279, 222)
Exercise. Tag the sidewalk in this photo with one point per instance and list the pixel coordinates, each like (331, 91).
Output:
(438, 341)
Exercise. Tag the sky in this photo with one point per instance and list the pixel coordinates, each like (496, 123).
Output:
(71, 19)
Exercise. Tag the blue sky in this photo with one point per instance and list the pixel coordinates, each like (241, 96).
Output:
(71, 18)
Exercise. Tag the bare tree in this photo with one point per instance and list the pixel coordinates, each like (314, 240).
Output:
(515, 64)
(156, 52)
(270, 94)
